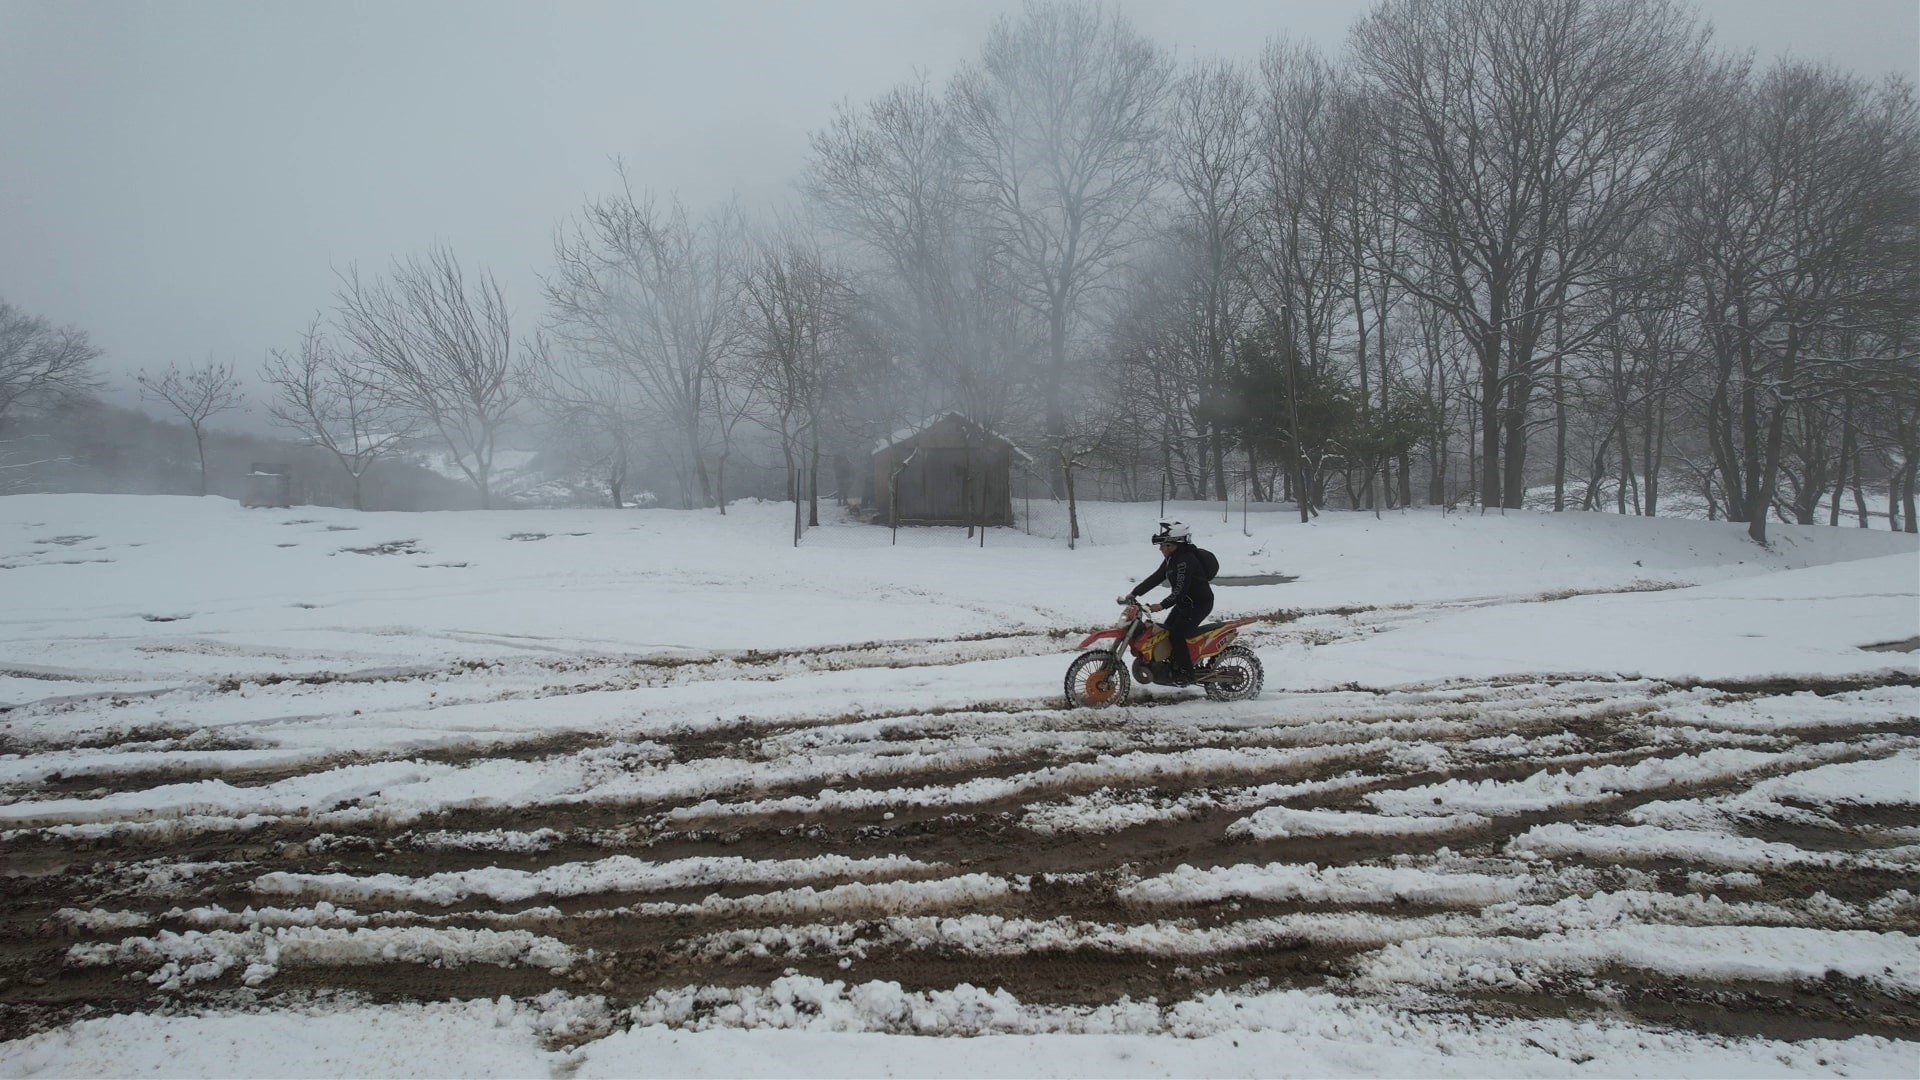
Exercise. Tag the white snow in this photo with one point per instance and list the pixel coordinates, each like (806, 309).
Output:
(197, 955)
(1277, 822)
(1544, 790)
(190, 667)
(1287, 1033)
(1334, 884)
(1615, 842)
(1767, 954)
(620, 873)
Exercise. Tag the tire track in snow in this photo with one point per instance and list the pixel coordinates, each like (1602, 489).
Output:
(1053, 845)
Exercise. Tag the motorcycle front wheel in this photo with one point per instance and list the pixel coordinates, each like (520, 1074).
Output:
(1097, 679)
(1235, 675)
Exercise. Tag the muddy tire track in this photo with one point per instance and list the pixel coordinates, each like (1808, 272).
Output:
(980, 866)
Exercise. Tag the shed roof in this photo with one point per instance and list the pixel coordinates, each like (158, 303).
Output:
(914, 431)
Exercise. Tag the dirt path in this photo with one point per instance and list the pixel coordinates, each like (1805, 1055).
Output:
(1014, 847)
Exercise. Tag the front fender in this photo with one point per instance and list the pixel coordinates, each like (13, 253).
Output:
(1101, 635)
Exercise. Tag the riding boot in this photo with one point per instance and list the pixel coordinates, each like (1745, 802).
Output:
(1181, 622)
(1180, 665)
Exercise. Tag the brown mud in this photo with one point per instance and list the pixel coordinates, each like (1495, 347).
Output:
(628, 944)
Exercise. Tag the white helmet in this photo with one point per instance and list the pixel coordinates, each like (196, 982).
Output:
(1173, 532)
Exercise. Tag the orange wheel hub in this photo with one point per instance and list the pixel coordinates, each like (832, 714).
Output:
(1099, 687)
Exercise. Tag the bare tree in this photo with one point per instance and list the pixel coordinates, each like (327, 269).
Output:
(1214, 164)
(736, 398)
(41, 362)
(326, 398)
(589, 408)
(798, 311)
(440, 348)
(1369, 224)
(1529, 137)
(1059, 129)
(1091, 434)
(1157, 340)
(197, 394)
(1442, 372)
(652, 294)
(1797, 227)
(1899, 441)
(888, 179)
(1303, 261)
(885, 177)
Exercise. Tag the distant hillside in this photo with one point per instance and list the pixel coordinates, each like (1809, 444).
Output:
(98, 448)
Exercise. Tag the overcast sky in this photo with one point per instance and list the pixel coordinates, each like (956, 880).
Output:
(181, 179)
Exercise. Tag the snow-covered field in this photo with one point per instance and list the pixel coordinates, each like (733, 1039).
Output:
(586, 793)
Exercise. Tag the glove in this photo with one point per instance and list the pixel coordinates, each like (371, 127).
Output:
(1124, 598)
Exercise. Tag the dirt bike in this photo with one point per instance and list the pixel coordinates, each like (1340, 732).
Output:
(1100, 676)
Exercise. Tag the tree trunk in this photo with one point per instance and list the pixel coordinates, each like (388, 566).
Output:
(1559, 430)
(1723, 430)
(1768, 462)
(1813, 482)
(200, 445)
(1303, 494)
(1366, 402)
(1490, 490)
(1769, 468)
(1912, 473)
(1476, 444)
(1846, 458)
(699, 462)
(1720, 429)
(1056, 373)
(1859, 497)
(792, 463)
(1652, 453)
(1515, 417)
(1437, 397)
(813, 473)
(1169, 485)
(1219, 266)
(1752, 504)
(1597, 469)
(1626, 473)
(1073, 507)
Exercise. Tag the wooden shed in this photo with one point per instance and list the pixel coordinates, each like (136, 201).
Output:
(946, 471)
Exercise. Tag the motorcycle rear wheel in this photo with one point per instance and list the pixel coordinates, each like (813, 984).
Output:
(1235, 675)
(1097, 679)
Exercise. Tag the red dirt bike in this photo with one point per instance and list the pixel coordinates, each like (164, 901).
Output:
(1100, 676)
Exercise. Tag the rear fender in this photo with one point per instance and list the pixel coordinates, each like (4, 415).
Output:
(1213, 641)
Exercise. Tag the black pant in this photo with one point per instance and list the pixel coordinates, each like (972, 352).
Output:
(1182, 620)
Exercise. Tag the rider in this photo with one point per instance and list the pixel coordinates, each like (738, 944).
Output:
(1189, 596)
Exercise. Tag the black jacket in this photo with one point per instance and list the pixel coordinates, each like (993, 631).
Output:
(1185, 578)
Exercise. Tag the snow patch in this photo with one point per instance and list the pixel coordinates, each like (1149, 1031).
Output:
(198, 956)
(1280, 822)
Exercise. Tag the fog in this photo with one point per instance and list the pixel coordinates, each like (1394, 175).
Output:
(562, 255)
(183, 180)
